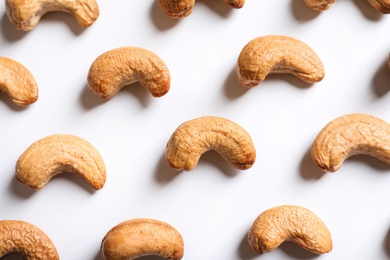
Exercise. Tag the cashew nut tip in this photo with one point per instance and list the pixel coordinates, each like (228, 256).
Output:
(197, 136)
(25, 14)
(119, 67)
(57, 154)
(17, 82)
(139, 237)
(277, 54)
(289, 223)
(382, 6)
(21, 237)
(319, 5)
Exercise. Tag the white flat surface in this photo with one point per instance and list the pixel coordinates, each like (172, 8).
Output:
(212, 206)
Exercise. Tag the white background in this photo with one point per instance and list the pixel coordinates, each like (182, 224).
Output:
(214, 205)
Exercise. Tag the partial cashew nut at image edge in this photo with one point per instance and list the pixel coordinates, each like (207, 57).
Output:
(139, 237)
(197, 136)
(31, 242)
(289, 223)
(25, 14)
(277, 54)
(349, 135)
(57, 154)
(119, 67)
(382, 6)
(17, 82)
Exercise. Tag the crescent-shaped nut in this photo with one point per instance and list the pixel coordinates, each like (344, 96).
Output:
(119, 67)
(26, 239)
(57, 154)
(25, 14)
(139, 237)
(289, 223)
(382, 6)
(277, 54)
(319, 5)
(197, 136)
(17, 82)
(349, 135)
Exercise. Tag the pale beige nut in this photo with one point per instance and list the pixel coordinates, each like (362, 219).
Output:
(119, 67)
(349, 135)
(57, 154)
(26, 14)
(27, 239)
(139, 237)
(319, 5)
(289, 223)
(382, 6)
(277, 54)
(17, 82)
(197, 136)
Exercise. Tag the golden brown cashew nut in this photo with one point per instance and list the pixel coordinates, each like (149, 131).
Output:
(25, 14)
(277, 54)
(289, 223)
(123, 66)
(350, 135)
(197, 136)
(139, 237)
(27, 239)
(319, 5)
(17, 82)
(57, 154)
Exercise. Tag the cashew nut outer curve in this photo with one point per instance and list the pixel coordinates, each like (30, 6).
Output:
(319, 5)
(25, 14)
(57, 154)
(138, 237)
(277, 54)
(27, 239)
(289, 223)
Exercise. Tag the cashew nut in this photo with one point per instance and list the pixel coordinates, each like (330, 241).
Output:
(289, 223)
(139, 237)
(319, 5)
(27, 239)
(17, 82)
(119, 67)
(382, 6)
(25, 14)
(350, 135)
(197, 136)
(57, 154)
(277, 54)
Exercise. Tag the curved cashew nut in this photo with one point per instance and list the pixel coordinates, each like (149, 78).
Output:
(350, 135)
(289, 223)
(56, 154)
(17, 82)
(319, 5)
(134, 238)
(277, 54)
(197, 136)
(27, 239)
(25, 14)
(119, 67)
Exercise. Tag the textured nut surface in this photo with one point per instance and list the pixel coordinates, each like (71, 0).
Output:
(197, 136)
(57, 154)
(26, 239)
(319, 5)
(25, 14)
(382, 6)
(349, 135)
(119, 67)
(139, 237)
(17, 82)
(277, 54)
(289, 223)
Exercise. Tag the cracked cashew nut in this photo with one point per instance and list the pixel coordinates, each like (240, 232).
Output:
(382, 6)
(139, 237)
(26, 239)
(57, 154)
(277, 54)
(289, 223)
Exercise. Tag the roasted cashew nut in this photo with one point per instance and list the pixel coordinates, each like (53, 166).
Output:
(289, 223)
(17, 82)
(197, 136)
(139, 237)
(119, 67)
(57, 154)
(26, 239)
(382, 6)
(25, 14)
